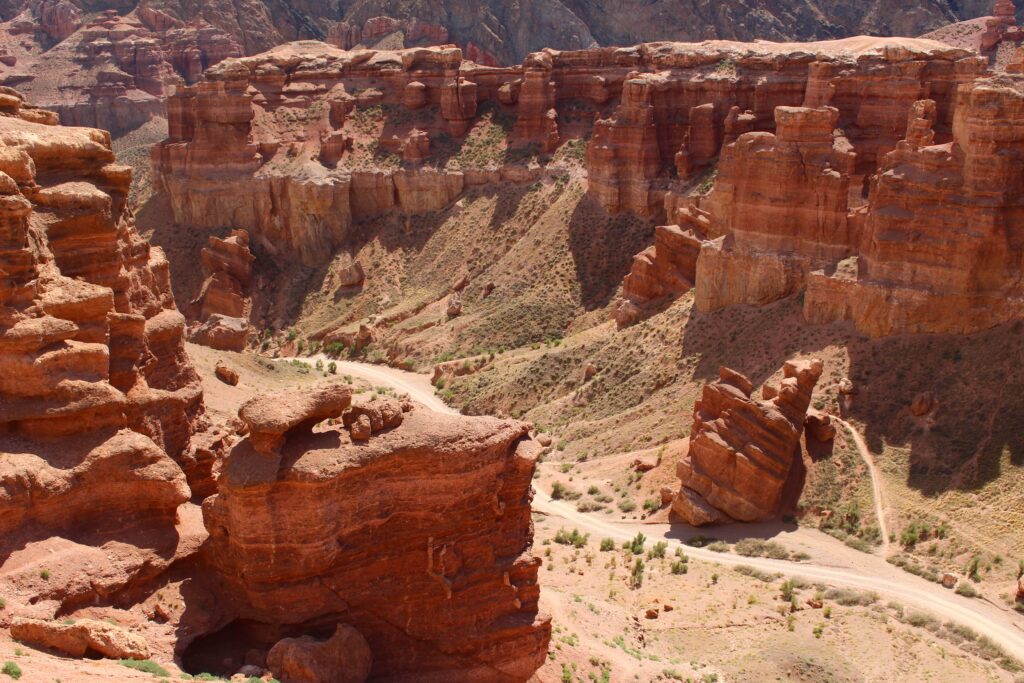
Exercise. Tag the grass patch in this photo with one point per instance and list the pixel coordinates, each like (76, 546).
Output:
(146, 665)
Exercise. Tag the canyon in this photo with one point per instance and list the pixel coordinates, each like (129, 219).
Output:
(128, 513)
(763, 298)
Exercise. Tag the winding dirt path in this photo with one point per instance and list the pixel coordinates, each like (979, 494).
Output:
(876, 483)
(843, 567)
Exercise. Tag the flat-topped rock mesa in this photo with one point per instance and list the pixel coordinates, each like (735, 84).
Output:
(416, 533)
(743, 451)
(99, 398)
(106, 70)
(297, 143)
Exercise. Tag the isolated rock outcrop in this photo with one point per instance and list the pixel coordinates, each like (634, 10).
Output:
(343, 658)
(227, 268)
(418, 537)
(742, 450)
(221, 332)
(80, 637)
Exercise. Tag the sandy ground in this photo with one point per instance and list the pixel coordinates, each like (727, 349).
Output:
(831, 562)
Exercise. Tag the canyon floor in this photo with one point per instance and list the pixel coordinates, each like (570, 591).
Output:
(841, 602)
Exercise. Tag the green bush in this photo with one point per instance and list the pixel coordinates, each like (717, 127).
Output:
(680, 567)
(636, 579)
(636, 546)
(967, 590)
(607, 545)
(658, 551)
(573, 538)
(12, 670)
(755, 547)
(146, 665)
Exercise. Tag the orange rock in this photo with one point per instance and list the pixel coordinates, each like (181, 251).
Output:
(81, 637)
(227, 266)
(742, 450)
(962, 281)
(345, 657)
(444, 581)
(271, 416)
(225, 374)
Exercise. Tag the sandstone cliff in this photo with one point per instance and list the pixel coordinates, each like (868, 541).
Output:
(310, 529)
(681, 103)
(941, 249)
(106, 70)
(98, 396)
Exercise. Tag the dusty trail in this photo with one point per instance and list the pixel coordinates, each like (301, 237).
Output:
(876, 483)
(872, 572)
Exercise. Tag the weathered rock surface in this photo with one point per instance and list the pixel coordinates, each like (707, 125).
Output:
(918, 269)
(419, 537)
(227, 267)
(221, 332)
(786, 195)
(112, 71)
(82, 637)
(98, 397)
(742, 450)
(680, 102)
(343, 658)
(271, 416)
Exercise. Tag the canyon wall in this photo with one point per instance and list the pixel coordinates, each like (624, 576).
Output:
(99, 398)
(106, 451)
(943, 243)
(298, 143)
(508, 32)
(672, 122)
(106, 70)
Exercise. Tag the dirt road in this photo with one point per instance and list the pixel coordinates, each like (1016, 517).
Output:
(877, 483)
(843, 567)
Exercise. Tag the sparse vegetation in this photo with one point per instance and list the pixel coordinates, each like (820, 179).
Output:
(12, 670)
(148, 666)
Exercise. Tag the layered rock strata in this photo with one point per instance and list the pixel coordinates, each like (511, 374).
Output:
(227, 267)
(679, 103)
(742, 450)
(111, 71)
(418, 537)
(785, 194)
(942, 245)
(298, 143)
(98, 397)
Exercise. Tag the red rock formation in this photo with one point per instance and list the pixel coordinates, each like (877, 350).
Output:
(667, 269)
(918, 269)
(227, 266)
(781, 202)
(537, 116)
(742, 450)
(429, 534)
(343, 658)
(678, 102)
(80, 637)
(112, 71)
(98, 397)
